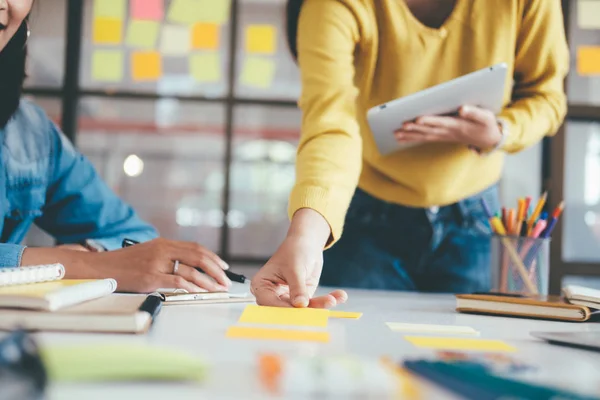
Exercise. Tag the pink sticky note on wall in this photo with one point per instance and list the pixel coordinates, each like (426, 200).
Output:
(147, 9)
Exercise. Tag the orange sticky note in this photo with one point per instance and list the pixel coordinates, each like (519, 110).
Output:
(243, 332)
(285, 316)
(451, 343)
(260, 39)
(588, 60)
(108, 30)
(345, 314)
(205, 36)
(146, 66)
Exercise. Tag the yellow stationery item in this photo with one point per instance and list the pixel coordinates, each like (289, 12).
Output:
(345, 314)
(431, 328)
(244, 332)
(175, 40)
(119, 362)
(108, 30)
(451, 343)
(142, 34)
(107, 65)
(146, 65)
(260, 39)
(588, 14)
(205, 36)
(191, 11)
(254, 314)
(205, 68)
(588, 60)
(257, 72)
(109, 8)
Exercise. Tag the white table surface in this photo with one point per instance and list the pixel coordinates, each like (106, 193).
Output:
(200, 331)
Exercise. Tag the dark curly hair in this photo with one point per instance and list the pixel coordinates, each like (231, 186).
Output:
(12, 73)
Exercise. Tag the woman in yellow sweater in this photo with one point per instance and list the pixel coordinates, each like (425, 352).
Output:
(415, 221)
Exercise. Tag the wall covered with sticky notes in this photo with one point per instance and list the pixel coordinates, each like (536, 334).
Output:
(167, 47)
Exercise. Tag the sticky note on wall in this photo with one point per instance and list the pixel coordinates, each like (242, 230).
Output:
(175, 40)
(588, 14)
(588, 60)
(205, 68)
(107, 65)
(142, 34)
(108, 30)
(260, 39)
(257, 72)
(285, 316)
(110, 8)
(146, 66)
(205, 36)
(152, 10)
(191, 11)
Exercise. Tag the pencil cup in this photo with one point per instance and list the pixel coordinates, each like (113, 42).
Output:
(520, 265)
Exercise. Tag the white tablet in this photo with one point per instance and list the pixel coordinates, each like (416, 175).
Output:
(483, 88)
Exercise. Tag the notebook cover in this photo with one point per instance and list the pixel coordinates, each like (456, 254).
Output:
(544, 301)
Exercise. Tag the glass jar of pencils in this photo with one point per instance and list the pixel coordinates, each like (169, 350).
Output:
(520, 264)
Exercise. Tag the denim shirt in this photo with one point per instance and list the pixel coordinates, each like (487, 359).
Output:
(45, 181)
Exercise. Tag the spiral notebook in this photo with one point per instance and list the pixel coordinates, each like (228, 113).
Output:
(33, 274)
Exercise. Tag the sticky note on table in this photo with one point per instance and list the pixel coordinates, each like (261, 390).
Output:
(345, 314)
(260, 39)
(107, 65)
(146, 66)
(175, 40)
(142, 34)
(285, 316)
(257, 72)
(243, 332)
(152, 10)
(588, 60)
(451, 343)
(205, 68)
(110, 8)
(205, 36)
(430, 328)
(588, 14)
(108, 30)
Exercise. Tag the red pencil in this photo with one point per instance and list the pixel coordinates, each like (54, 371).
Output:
(527, 203)
(558, 210)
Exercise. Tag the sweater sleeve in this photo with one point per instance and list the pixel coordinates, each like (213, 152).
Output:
(538, 104)
(329, 155)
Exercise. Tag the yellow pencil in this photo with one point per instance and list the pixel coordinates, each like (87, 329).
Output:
(536, 213)
(520, 216)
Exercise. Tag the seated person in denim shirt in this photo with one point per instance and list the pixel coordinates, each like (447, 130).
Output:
(45, 181)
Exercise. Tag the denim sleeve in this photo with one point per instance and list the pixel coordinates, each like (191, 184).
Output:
(10, 255)
(80, 206)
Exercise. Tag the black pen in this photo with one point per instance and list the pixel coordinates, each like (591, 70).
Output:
(152, 305)
(231, 275)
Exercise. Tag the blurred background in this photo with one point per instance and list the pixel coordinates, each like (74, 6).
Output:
(187, 108)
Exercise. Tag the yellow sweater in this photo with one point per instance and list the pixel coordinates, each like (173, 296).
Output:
(355, 54)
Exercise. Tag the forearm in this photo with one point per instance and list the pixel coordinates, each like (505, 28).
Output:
(78, 264)
(308, 223)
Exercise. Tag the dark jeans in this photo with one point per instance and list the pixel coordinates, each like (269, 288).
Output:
(392, 247)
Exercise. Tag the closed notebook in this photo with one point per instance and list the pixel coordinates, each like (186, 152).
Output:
(582, 296)
(544, 307)
(52, 296)
(32, 274)
(114, 313)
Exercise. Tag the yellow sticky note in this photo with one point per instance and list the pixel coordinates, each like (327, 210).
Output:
(450, 343)
(588, 14)
(110, 8)
(175, 40)
(107, 65)
(214, 11)
(257, 72)
(142, 34)
(588, 60)
(205, 68)
(243, 332)
(345, 314)
(108, 30)
(205, 36)
(285, 316)
(146, 66)
(260, 39)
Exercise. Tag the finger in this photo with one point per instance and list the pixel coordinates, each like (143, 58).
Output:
(296, 280)
(340, 296)
(177, 282)
(476, 114)
(419, 137)
(190, 274)
(195, 255)
(267, 295)
(439, 121)
(198, 248)
(330, 300)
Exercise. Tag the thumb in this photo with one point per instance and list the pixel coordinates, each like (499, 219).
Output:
(296, 280)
